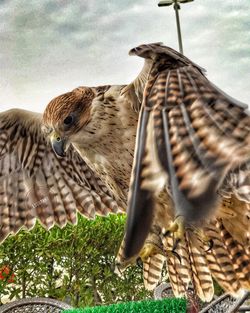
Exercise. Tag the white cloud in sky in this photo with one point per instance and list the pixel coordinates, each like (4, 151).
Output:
(49, 47)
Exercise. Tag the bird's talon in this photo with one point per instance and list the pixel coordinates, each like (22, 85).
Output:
(166, 233)
(177, 241)
(139, 263)
(176, 255)
(210, 245)
(150, 249)
(205, 240)
(177, 230)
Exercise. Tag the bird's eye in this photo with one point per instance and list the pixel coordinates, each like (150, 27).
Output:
(68, 120)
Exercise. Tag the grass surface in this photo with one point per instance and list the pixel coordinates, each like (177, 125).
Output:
(151, 306)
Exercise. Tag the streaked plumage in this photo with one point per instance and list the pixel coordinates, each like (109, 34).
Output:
(189, 131)
(192, 158)
(153, 260)
(194, 137)
(35, 183)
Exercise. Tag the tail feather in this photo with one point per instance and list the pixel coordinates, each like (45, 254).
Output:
(191, 267)
(237, 253)
(152, 271)
(228, 262)
(178, 272)
(199, 271)
(220, 263)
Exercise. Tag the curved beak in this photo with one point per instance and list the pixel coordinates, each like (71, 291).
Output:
(58, 144)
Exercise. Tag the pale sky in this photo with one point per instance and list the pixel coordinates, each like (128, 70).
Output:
(50, 47)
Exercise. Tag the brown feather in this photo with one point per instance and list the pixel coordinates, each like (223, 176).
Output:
(152, 271)
(79, 101)
(240, 259)
(178, 272)
(201, 276)
(204, 135)
(193, 141)
(34, 183)
(220, 263)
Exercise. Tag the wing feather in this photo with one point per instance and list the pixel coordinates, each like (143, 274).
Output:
(35, 183)
(140, 198)
(240, 259)
(220, 263)
(199, 132)
(200, 275)
(178, 272)
(152, 270)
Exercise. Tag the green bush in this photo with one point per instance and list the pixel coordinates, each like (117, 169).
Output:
(162, 306)
(73, 264)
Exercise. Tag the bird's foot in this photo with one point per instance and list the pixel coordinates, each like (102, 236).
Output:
(150, 249)
(177, 230)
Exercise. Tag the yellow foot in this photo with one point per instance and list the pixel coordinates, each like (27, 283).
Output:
(150, 249)
(177, 230)
(152, 246)
(177, 227)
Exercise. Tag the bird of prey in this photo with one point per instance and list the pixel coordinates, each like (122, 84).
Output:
(170, 142)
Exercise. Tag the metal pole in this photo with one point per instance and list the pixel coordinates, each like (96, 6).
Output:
(177, 8)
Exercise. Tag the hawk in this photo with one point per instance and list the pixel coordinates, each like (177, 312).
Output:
(170, 142)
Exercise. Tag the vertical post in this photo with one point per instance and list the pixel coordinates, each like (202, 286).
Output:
(177, 8)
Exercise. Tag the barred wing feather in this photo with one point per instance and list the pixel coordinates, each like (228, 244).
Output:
(199, 135)
(35, 183)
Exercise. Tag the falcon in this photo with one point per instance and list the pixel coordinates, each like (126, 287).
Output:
(170, 147)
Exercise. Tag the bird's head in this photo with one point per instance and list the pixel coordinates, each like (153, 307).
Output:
(66, 115)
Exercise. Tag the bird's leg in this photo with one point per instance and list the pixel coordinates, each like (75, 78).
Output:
(152, 245)
(176, 227)
(150, 249)
(177, 230)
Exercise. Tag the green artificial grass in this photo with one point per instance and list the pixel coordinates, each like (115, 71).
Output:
(171, 305)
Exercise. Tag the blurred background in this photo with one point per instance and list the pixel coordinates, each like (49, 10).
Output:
(52, 46)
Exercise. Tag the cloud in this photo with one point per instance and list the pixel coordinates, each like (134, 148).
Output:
(49, 47)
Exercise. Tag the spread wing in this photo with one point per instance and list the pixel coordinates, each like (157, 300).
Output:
(35, 183)
(190, 135)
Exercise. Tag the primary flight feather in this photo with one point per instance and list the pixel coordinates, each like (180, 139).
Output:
(188, 129)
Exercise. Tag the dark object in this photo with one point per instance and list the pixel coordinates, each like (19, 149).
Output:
(167, 3)
(237, 307)
(164, 290)
(227, 304)
(177, 7)
(35, 305)
(223, 304)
